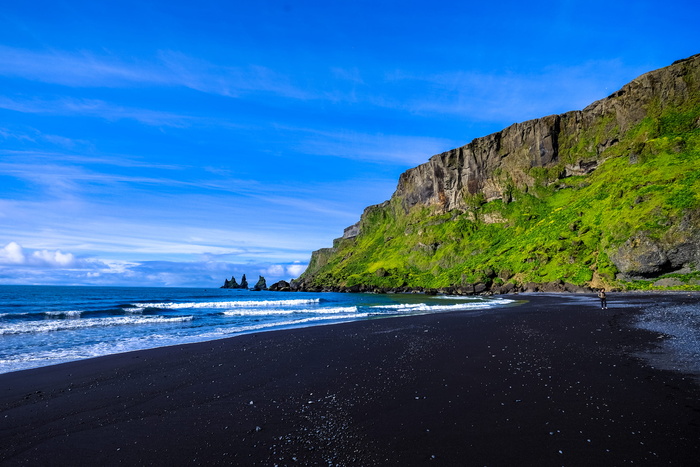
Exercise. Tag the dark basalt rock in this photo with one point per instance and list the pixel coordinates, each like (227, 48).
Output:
(231, 284)
(642, 256)
(281, 286)
(261, 284)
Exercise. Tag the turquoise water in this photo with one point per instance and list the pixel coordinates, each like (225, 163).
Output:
(42, 326)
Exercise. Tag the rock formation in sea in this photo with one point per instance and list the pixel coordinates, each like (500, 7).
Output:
(233, 284)
(604, 196)
(261, 284)
(230, 284)
(280, 286)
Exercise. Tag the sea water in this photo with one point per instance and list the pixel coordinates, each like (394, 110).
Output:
(46, 325)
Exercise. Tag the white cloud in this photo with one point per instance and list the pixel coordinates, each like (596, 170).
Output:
(117, 267)
(54, 258)
(280, 271)
(295, 270)
(275, 270)
(12, 253)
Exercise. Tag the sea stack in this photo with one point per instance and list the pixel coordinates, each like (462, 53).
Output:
(261, 284)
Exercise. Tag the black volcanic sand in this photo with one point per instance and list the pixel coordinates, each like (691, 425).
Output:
(550, 382)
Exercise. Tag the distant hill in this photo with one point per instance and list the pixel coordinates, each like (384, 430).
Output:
(606, 196)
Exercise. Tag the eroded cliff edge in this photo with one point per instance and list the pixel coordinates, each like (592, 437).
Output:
(608, 195)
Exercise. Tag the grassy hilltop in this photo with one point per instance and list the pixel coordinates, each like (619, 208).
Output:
(607, 196)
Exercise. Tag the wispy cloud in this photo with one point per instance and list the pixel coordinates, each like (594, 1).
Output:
(151, 228)
(474, 95)
(76, 69)
(373, 147)
(64, 180)
(76, 175)
(507, 96)
(93, 108)
(167, 68)
(229, 81)
(352, 75)
(87, 155)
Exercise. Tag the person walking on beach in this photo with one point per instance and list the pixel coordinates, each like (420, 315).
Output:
(603, 299)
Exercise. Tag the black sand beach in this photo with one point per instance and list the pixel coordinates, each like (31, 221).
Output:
(555, 381)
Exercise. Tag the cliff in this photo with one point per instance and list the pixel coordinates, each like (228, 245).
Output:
(607, 195)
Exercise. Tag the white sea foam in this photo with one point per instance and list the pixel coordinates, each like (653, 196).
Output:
(68, 314)
(41, 357)
(15, 314)
(277, 324)
(233, 304)
(458, 297)
(133, 310)
(426, 308)
(289, 311)
(501, 301)
(61, 325)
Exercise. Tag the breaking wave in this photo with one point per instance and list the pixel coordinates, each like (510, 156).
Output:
(233, 304)
(62, 325)
(289, 311)
(67, 314)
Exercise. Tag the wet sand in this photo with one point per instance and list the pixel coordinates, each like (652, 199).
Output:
(554, 381)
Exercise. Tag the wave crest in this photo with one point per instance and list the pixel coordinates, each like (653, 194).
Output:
(282, 311)
(63, 325)
(67, 314)
(232, 304)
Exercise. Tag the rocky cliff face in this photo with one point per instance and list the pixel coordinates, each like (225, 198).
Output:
(644, 119)
(489, 165)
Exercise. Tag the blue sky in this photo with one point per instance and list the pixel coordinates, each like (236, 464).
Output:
(180, 143)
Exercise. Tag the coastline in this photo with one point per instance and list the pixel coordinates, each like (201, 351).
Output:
(553, 381)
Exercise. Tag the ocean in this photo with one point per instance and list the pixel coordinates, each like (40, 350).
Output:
(46, 325)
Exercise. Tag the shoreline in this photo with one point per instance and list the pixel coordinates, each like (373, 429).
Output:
(341, 308)
(553, 381)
